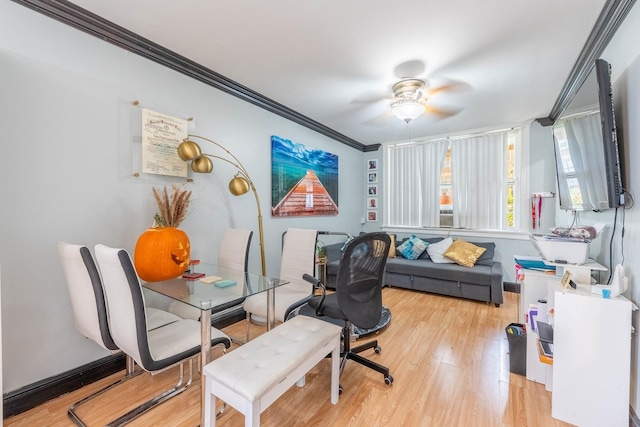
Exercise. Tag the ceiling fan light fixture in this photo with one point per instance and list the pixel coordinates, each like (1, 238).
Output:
(408, 88)
(407, 110)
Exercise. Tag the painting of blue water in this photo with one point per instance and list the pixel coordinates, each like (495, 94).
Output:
(304, 181)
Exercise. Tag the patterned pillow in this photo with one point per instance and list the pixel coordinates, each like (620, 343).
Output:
(464, 253)
(412, 247)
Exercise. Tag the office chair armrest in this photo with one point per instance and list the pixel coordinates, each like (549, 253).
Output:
(317, 284)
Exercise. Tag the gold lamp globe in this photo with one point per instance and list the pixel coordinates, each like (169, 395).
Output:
(189, 150)
(238, 186)
(202, 165)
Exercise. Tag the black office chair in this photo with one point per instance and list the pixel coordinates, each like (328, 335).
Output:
(358, 296)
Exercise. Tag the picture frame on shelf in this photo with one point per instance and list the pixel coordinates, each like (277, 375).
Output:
(566, 279)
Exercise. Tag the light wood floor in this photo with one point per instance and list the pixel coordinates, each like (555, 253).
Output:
(448, 356)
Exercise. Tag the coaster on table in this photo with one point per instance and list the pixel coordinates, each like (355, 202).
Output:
(224, 283)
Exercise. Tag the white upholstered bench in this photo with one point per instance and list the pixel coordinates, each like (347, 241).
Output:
(253, 376)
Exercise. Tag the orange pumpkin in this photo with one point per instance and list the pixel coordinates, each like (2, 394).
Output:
(162, 253)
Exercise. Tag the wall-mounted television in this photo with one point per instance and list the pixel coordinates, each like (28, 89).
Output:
(586, 147)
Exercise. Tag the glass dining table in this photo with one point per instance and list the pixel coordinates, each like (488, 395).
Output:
(218, 289)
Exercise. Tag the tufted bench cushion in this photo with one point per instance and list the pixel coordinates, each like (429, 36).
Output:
(254, 375)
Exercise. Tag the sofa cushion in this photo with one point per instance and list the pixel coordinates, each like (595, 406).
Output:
(430, 240)
(479, 274)
(333, 251)
(487, 257)
(437, 250)
(464, 253)
(412, 247)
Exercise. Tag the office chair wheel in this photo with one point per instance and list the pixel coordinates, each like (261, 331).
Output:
(377, 349)
(388, 379)
(340, 390)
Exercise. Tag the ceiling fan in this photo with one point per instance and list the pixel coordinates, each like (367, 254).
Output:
(410, 98)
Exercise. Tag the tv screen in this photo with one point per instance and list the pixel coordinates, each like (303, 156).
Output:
(586, 147)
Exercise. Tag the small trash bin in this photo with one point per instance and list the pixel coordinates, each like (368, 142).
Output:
(517, 338)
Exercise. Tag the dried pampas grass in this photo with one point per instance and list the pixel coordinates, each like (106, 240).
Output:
(172, 208)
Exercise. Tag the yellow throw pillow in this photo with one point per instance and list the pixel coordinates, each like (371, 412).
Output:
(464, 253)
(392, 248)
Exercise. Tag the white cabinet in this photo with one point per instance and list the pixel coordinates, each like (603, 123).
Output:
(591, 360)
(534, 287)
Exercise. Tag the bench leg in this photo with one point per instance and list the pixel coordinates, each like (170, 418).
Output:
(209, 405)
(302, 381)
(252, 414)
(335, 372)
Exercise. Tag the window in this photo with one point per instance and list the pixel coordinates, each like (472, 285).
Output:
(463, 182)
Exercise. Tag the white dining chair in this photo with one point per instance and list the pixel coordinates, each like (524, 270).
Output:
(153, 350)
(90, 312)
(298, 258)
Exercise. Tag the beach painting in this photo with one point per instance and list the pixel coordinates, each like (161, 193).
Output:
(304, 181)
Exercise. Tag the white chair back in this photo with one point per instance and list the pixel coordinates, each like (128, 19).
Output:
(125, 301)
(298, 258)
(234, 249)
(233, 254)
(86, 293)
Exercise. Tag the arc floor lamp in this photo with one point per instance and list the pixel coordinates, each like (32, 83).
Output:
(240, 184)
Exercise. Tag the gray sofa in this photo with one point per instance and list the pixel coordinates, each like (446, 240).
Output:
(482, 282)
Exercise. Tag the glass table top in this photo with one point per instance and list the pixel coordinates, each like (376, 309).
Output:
(227, 286)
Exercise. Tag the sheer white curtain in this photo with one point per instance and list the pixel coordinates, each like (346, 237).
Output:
(479, 181)
(414, 183)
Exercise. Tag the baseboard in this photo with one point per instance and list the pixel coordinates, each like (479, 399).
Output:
(222, 320)
(32, 395)
(511, 287)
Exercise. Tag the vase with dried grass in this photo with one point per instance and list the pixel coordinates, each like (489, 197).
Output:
(162, 252)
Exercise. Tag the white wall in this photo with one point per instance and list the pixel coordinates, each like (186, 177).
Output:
(65, 103)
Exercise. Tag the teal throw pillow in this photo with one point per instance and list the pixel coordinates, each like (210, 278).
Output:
(349, 239)
(412, 247)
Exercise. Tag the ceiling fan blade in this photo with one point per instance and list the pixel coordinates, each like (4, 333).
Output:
(440, 112)
(449, 86)
(409, 69)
